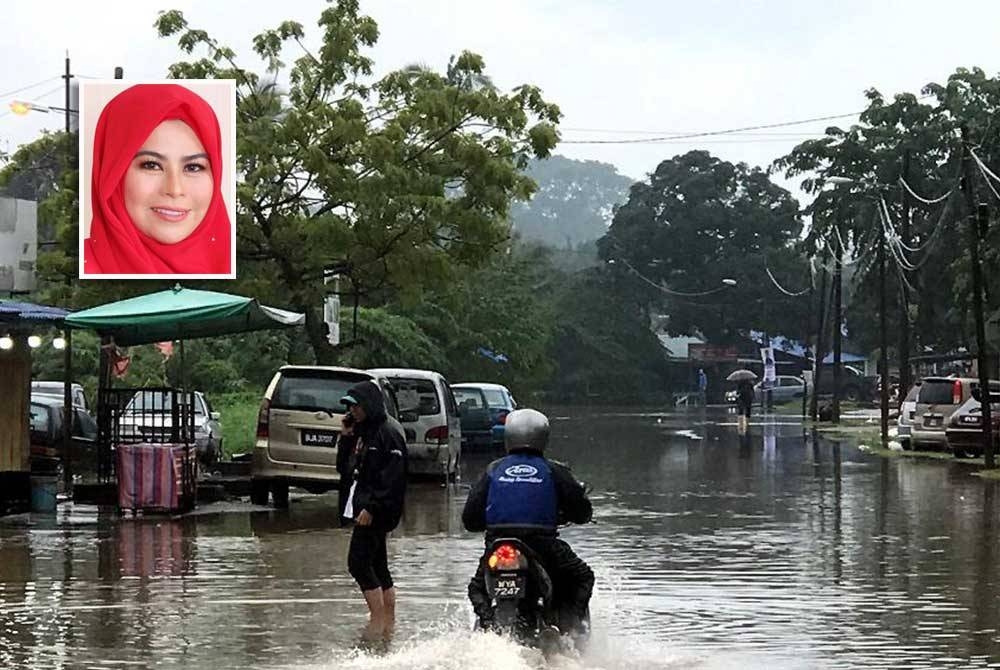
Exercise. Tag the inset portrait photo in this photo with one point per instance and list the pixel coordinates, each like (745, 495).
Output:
(157, 179)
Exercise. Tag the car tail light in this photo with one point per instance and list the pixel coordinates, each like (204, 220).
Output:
(505, 557)
(956, 393)
(437, 434)
(264, 419)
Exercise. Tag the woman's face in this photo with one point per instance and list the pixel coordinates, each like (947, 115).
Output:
(168, 185)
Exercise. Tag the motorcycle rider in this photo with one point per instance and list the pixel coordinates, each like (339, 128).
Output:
(531, 509)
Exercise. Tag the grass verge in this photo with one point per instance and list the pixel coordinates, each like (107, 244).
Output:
(239, 421)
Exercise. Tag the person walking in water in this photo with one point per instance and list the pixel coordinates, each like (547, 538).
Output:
(744, 402)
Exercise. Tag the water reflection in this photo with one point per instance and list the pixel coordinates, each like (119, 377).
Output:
(713, 547)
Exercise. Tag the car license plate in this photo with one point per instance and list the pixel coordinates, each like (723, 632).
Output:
(318, 438)
(932, 421)
(508, 586)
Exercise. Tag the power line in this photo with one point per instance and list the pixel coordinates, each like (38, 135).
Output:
(926, 201)
(612, 131)
(671, 291)
(782, 288)
(25, 88)
(729, 131)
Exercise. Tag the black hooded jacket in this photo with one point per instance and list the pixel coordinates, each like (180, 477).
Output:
(376, 459)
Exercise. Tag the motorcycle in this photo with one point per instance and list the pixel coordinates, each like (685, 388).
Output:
(522, 595)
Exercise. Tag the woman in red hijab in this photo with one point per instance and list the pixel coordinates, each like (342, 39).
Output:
(156, 186)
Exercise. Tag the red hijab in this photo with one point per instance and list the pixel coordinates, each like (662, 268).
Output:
(115, 245)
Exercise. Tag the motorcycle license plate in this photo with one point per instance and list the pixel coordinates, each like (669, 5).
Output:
(508, 586)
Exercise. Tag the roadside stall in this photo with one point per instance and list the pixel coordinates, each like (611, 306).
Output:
(22, 486)
(145, 436)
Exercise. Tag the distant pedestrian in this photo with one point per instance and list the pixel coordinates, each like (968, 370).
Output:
(702, 386)
(744, 400)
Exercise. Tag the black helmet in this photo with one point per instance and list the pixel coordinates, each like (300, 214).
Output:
(526, 429)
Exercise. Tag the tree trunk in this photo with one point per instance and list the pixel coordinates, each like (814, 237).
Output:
(316, 330)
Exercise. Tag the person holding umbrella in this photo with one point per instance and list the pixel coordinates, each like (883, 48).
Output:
(744, 395)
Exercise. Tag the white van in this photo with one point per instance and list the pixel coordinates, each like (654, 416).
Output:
(434, 439)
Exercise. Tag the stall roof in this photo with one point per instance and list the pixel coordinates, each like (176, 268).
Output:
(181, 314)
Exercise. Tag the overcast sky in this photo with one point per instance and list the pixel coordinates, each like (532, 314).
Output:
(630, 65)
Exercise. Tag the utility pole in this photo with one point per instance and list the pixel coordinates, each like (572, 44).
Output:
(904, 293)
(68, 77)
(838, 319)
(883, 337)
(818, 352)
(68, 408)
(982, 356)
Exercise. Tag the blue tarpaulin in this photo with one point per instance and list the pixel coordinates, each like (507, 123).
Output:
(12, 310)
(493, 356)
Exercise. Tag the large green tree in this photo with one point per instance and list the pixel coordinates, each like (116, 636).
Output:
(392, 183)
(699, 220)
(916, 138)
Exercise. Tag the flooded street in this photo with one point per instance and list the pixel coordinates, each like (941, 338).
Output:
(710, 550)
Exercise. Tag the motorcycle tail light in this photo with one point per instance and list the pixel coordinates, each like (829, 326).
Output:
(505, 557)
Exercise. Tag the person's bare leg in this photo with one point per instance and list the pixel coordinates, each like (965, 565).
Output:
(376, 611)
(389, 610)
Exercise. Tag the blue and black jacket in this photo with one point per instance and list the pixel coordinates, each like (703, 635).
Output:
(524, 494)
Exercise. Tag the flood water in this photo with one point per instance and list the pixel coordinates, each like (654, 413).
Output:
(771, 551)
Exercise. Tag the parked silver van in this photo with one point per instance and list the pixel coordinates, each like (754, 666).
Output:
(434, 434)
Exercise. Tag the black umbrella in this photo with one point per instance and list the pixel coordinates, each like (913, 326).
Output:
(740, 375)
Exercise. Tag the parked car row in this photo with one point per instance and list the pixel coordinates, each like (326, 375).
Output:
(945, 413)
(300, 420)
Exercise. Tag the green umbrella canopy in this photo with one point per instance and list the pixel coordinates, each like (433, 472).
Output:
(180, 314)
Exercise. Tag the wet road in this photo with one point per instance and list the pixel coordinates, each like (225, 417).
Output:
(711, 551)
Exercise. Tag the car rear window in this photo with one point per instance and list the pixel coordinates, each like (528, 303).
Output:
(470, 398)
(936, 392)
(427, 396)
(313, 390)
(495, 398)
(39, 418)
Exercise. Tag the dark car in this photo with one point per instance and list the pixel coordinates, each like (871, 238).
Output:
(46, 436)
(854, 384)
(486, 408)
(965, 429)
(474, 413)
